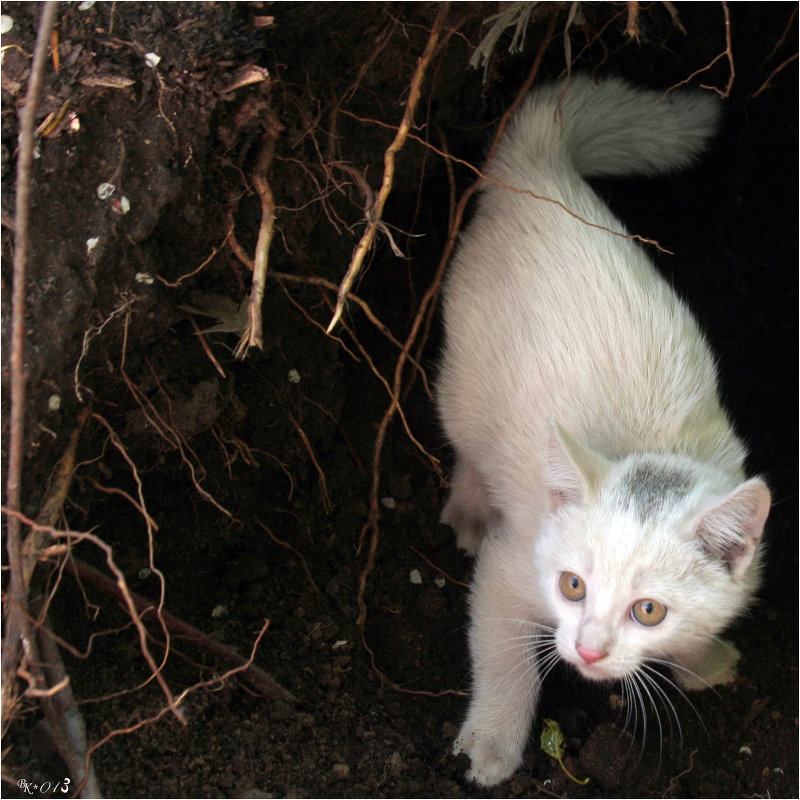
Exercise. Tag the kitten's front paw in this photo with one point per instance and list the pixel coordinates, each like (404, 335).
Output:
(493, 759)
(717, 668)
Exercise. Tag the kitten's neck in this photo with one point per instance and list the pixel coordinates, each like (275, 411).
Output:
(707, 438)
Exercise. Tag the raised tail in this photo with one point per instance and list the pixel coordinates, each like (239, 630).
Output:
(608, 127)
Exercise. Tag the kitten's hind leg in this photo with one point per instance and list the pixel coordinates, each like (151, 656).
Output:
(467, 510)
(714, 665)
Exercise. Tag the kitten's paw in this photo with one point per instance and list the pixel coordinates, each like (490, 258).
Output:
(468, 530)
(493, 759)
(717, 668)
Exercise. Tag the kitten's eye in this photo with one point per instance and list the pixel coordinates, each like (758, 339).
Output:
(572, 587)
(648, 612)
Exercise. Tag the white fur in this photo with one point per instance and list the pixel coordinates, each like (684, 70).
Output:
(548, 318)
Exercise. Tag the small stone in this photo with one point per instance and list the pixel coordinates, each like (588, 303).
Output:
(617, 701)
(395, 763)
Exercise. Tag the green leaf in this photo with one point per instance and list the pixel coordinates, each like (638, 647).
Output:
(553, 743)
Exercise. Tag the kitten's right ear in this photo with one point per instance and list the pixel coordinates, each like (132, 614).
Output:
(573, 472)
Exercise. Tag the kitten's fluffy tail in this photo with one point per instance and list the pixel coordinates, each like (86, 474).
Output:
(610, 127)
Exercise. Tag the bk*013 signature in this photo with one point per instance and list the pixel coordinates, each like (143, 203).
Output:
(45, 787)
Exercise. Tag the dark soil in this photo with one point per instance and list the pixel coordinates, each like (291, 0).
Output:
(284, 441)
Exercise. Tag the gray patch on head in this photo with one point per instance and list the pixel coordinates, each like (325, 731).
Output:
(647, 488)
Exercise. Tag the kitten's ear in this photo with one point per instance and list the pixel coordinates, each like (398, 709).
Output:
(732, 529)
(573, 471)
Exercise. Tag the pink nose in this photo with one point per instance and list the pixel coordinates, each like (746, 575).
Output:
(588, 654)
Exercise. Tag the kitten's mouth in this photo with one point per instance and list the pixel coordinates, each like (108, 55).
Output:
(601, 671)
(595, 672)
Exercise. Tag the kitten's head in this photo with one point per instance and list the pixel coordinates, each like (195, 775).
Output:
(646, 558)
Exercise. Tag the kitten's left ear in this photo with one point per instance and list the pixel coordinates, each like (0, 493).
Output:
(573, 471)
(732, 529)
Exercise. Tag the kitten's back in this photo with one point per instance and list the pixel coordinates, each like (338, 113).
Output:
(548, 313)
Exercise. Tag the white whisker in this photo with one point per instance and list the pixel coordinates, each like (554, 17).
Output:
(676, 687)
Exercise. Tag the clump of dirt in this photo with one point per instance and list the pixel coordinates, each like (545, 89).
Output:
(288, 486)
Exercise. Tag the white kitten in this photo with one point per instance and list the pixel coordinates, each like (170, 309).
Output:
(597, 476)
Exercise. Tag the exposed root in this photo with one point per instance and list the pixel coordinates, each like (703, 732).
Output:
(291, 550)
(372, 527)
(374, 214)
(437, 569)
(726, 53)
(244, 668)
(323, 482)
(253, 334)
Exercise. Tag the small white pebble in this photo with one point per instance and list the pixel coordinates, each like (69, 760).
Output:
(152, 59)
(54, 402)
(294, 376)
(144, 277)
(91, 243)
(86, 5)
(440, 581)
(105, 190)
(6, 23)
(339, 643)
(388, 502)
(745, 750)
(124, 205)
(219, 611)
(415, 576)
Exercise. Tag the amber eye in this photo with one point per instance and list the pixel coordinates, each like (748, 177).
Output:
(648, 612)
(572, 587)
